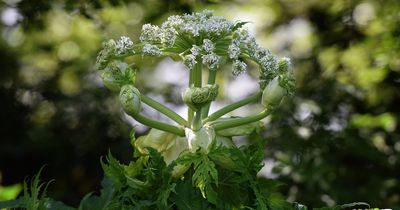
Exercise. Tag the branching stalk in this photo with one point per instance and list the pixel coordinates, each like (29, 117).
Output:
(196, 81)
(240, 121)
(159, 125)
(211, 80)
(232, 107)
(163, 109)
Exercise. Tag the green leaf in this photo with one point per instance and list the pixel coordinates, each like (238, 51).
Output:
(187, 197)
(298, 206)
(239, 25)
(101, 202)
(355, 205)
(114, 171)
(205, 174)
(18, 203)
(10, 192)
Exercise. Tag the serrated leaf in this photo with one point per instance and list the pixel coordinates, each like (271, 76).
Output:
(114, 171)
(205, 174)
(17, 203)
(187, 197)
(239, 25)
(101, 202)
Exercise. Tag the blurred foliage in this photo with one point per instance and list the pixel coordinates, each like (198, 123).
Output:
(337, 141)
(10, 192)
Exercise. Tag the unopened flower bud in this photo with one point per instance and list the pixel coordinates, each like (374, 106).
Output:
(196, 97)
(106, 54)
(117, 74)
(273, 93)
(130, 99)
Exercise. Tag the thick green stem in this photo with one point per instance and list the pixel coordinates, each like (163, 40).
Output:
(197, 121)
(232, 107)
(190, 110)
(163, 109)
(211, 80)
(240, 121)
(159, 125)
(196, 81)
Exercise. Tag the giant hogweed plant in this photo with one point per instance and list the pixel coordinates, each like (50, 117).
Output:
(192, 164)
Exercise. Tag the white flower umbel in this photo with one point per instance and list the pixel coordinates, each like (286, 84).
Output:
(238, 67)
(195, 50)
(124, 45)
(208, 46)
(190, 61)
(234, 50)
(152, 50)
(150, 33)
(211, 61)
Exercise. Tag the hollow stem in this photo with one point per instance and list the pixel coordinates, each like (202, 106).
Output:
(163, 109)
(232, 107)
(211, 80)
(197, 121)
(159, 125)
(195, 80)
(240, 121)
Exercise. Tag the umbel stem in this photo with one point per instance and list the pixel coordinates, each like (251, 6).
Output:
(163, 109)
(195, 81)
(211, 80)
(232, 107)
(240, 121)
(159, 125)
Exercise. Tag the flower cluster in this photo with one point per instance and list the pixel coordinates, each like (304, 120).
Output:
(238, 67)
(124, 45)
(198, 39)
(151, 50)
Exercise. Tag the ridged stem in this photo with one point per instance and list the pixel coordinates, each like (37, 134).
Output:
(159, 125)
(232, 107)
(211, 80)
(163, 109)
(240, 121)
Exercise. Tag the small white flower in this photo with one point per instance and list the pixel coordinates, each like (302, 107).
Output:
(169, 36)
(152, 50)
(211, 61)
(195, 50)
(208, 45)
(239, 67)
(234, 50)
(174, 21)
(123, 45)
(190, 61)
(150, 33)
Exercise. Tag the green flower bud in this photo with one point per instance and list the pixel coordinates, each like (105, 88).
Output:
(284, 65)
(196, 97)
(106, 54)
(201, 139)
(130, 99)
(242, 130)
(280, 86)
(273, 93)
(118, 74)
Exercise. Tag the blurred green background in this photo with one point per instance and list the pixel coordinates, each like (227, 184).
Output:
(336, 141)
